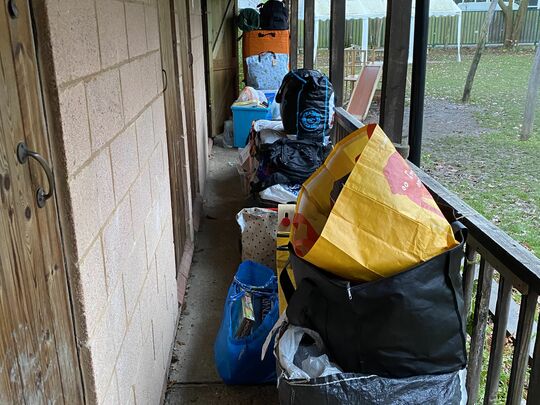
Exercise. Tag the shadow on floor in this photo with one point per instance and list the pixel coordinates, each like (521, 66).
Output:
(192, 377)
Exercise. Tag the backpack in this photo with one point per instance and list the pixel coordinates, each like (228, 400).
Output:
(306, 100)
(248, 19)
(274, 15)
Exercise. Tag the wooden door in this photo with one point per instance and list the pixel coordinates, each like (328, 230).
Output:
(38, 356)
(221, 35)
(185, 57)
(176, 139)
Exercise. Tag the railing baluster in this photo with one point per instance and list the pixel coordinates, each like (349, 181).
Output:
(533, 396)
(481, 314)
(468, 277)
(521, 347)
(499, 338)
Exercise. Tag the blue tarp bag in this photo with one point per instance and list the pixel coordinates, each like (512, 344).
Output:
(266, 70)
(238, 345)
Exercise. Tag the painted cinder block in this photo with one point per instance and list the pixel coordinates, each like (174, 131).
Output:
(144, 380)
(116, 316)
(157, 178)
(93, 288)
(102, 355)
(134, 276)
(159, 72)
(74, 38)
(89, 212)
(148, 301)
(145, 135)
(152, 27)
(128, 359)
(75, 128)
(158, 114)
(133, 97)
(112, 32)
(152, 228)
(141, 201)
(125, 161)
(111, 396)
(136, 32)
(149, 82)
(104, 107)
(118, 241)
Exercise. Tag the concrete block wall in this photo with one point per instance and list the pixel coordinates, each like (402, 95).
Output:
(108, 73)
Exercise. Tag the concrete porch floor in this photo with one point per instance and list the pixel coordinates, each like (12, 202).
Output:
(193, 378)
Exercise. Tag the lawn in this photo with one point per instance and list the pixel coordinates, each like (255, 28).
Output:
(494, 171)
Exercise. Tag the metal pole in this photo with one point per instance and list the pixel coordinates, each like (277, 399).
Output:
(418, 82)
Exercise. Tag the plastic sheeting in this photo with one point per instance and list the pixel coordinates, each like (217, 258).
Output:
(365, 9)
(306, 376)
(339, 389)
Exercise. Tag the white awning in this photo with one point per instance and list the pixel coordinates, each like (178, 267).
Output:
(367, 9)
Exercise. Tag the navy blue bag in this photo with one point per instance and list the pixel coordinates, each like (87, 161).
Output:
(238, 358)
(306, 100)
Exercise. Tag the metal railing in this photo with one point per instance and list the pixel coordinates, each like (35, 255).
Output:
(493, 262)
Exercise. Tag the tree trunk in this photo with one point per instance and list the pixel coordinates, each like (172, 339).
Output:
(508, 15)
(482, 38)
(519, 21)
(532, 96)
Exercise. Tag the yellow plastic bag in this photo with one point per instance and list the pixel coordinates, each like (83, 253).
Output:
(384, 220)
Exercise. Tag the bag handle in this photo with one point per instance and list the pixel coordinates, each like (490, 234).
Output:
(272, 34)
(286, 284)
(458, 227)
(265, 52)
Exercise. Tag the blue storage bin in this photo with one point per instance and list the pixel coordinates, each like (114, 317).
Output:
(243, 116)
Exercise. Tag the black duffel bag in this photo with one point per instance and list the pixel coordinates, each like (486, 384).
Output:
(409, 324)
(288, 161)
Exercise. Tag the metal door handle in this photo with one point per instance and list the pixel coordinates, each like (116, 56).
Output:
(23, 153)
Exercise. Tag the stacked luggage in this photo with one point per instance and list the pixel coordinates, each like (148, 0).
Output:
(375, 313)
(368, 278)
(265, 55)
(281, 155)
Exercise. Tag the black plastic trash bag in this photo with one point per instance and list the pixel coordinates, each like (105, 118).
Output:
(287, 162)
(406, 325)
(307, 104)
(306, 376)
(339, 389)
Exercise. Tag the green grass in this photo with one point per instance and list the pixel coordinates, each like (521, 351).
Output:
(497, 174)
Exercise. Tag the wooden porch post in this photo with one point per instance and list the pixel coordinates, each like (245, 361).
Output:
(337, 45)
(396, 49)
(293, 30)
(309, 33)
(418, 83)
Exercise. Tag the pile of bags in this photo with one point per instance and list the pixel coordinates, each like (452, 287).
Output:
(371, 298)
(287, 152)
(378, 286)
(265, 44)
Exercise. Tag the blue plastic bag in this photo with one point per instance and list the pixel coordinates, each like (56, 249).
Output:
(266, 70)
(238, 359)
